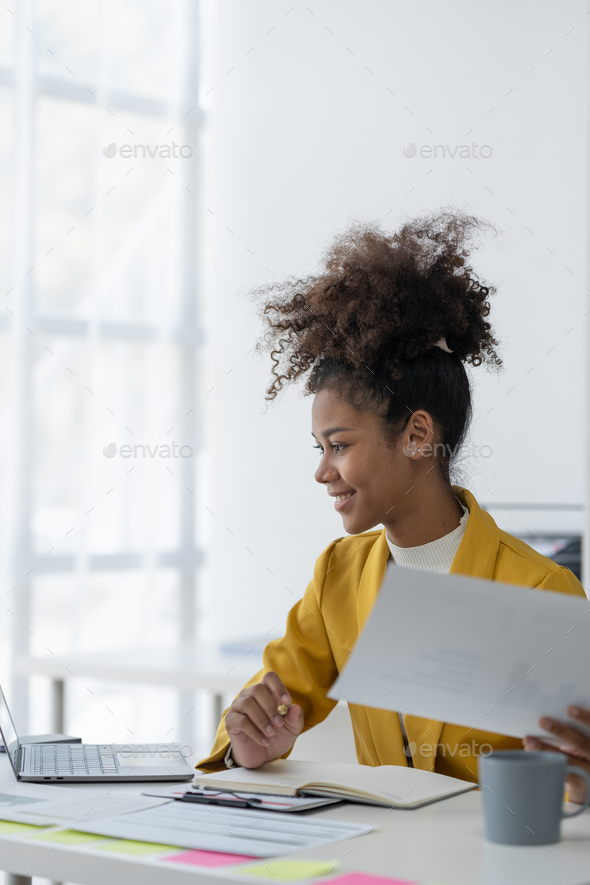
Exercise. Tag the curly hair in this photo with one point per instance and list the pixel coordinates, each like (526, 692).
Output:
(369, 321)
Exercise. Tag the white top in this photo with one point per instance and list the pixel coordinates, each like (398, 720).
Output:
(437, 556)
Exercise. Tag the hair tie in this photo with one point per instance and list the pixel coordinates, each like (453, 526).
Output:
(442, 343)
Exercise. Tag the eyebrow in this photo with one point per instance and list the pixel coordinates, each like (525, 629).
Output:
(333, 430)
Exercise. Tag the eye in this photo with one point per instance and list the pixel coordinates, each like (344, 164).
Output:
(336, 446)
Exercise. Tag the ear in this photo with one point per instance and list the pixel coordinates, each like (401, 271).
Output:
(418, 436)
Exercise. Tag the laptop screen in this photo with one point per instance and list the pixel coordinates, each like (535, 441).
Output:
(8, 734)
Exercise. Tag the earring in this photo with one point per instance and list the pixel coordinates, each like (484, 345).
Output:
(410, 450)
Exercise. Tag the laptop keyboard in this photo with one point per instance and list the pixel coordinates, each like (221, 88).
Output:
(63, 759)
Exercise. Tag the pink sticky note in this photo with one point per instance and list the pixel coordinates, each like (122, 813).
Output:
(368, 879)
(210, 858)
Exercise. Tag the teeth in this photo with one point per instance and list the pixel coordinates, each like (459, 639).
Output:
(343, 497)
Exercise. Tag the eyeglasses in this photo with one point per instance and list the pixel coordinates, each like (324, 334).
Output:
(233, 800)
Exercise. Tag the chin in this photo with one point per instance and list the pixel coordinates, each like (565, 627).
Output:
(355, 525)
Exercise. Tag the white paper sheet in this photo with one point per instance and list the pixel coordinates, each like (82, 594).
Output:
(11, 803)
(15, 806)
(483, 654)
(240, 831)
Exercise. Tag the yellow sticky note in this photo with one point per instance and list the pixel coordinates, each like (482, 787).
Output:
(127, 846)
(289, 870)
(11, 826)
(70, 837)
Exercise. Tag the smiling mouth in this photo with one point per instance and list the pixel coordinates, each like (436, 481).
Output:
(344, 497)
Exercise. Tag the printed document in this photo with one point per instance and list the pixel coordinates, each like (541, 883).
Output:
(44, 805)
(462, 650)
(235, 831)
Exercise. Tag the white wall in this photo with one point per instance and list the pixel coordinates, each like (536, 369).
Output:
(306, 135)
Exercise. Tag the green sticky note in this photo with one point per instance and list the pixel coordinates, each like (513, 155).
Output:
(11, 826)
(69, 837)
(289, 870)
(127, 846)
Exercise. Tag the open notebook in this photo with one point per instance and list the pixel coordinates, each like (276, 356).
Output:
(390, 785)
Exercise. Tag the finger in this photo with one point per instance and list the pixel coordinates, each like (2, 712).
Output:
(241, 724)
(294, 721)
(268, 703)
(250, 707)
(580, 714)
(567, 735)
(533, 743)
(274, 682)
(577, 780)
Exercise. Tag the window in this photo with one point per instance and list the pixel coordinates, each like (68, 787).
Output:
(99, 157)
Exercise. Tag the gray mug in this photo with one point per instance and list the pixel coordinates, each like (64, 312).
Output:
(523, 795)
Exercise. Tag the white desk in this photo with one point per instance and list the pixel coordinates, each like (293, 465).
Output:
(442, 843)
(187, 667)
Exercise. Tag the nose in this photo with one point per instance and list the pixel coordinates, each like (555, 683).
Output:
(325, 471)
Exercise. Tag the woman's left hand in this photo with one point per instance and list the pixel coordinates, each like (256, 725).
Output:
(573, 743)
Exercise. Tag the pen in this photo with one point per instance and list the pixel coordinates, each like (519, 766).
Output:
(233, 803)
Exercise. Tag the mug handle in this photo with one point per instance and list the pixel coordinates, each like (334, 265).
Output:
(574, 769)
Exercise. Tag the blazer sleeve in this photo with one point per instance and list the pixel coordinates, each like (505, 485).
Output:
(562, 580)
(302, 658)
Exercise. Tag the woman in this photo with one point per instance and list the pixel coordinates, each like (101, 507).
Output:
(384, 331)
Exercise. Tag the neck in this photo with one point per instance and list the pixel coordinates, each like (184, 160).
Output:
(431, 515)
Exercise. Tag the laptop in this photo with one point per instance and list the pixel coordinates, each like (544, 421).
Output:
(89, 763)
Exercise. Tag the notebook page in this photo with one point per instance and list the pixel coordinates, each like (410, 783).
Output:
(280, 774)
(390, 783)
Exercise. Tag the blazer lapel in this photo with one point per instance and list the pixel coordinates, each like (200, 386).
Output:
(371, 578)
(478, 550)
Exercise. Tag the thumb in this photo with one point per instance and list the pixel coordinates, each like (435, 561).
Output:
(294, 719)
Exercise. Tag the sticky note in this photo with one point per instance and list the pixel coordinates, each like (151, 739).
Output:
(69, 837)
(128, 846)
(369, 879)
(10, 826)
(209, 858)
(289, 870)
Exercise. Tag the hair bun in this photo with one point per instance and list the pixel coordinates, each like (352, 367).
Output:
(384, 298)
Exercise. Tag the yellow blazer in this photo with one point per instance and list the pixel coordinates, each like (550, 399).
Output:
(325, 624)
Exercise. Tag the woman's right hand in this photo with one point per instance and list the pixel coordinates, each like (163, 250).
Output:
(258, 733)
